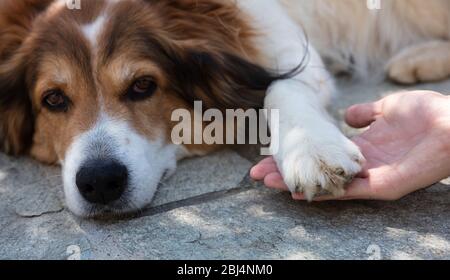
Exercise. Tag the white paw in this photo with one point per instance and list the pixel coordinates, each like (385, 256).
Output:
(319, 162)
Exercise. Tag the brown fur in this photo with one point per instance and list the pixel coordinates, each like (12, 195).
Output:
(195, 50)
(16, 123)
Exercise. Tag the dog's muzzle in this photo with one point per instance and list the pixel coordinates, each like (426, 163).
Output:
(102, 181)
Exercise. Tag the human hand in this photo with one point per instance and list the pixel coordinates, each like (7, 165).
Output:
(407, 147)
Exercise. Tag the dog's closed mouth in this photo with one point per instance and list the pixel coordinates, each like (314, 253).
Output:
(96, 89)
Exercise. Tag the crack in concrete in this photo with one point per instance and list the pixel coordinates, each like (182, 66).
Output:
(245, 185)
(31, 216)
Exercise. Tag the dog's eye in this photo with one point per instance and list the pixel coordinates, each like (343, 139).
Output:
(56, 100)
(142, 88)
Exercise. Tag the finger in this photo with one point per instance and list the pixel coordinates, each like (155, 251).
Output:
(275, 181)
(298, 196)
(364, 173)
(327, 197)
(362, 115)
(301, 196)
(267, 160)
(261, 170)
(358, 189)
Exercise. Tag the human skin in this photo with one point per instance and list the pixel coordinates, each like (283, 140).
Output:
(406, 146)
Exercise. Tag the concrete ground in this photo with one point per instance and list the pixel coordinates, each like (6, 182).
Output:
(211, 210)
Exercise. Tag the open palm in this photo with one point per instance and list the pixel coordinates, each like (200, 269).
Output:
(407, 147)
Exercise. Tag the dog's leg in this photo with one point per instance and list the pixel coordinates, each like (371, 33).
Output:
(426, 62)
(313, 155)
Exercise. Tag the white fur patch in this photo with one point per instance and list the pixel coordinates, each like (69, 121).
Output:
(146, 161)
(313, 154)
(93, 30)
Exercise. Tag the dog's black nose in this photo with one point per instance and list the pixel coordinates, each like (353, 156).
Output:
(102, 181)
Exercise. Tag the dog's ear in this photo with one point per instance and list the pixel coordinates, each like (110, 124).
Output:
(209, 45)
(16, 19)
(16, 118)
(222, 80)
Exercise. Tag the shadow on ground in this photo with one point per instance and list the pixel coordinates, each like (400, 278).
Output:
(211, 210)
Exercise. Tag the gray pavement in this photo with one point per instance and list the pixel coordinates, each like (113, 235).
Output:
(210, 209)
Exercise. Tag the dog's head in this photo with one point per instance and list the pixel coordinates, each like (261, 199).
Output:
(93, 89)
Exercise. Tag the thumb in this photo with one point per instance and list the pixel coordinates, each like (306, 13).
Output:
(362, 115)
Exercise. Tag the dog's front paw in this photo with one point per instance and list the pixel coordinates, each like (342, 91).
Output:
(316, 166)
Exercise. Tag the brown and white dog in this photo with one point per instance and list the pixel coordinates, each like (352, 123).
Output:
(93, 88)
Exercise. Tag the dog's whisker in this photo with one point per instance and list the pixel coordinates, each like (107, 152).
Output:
(112, 159)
